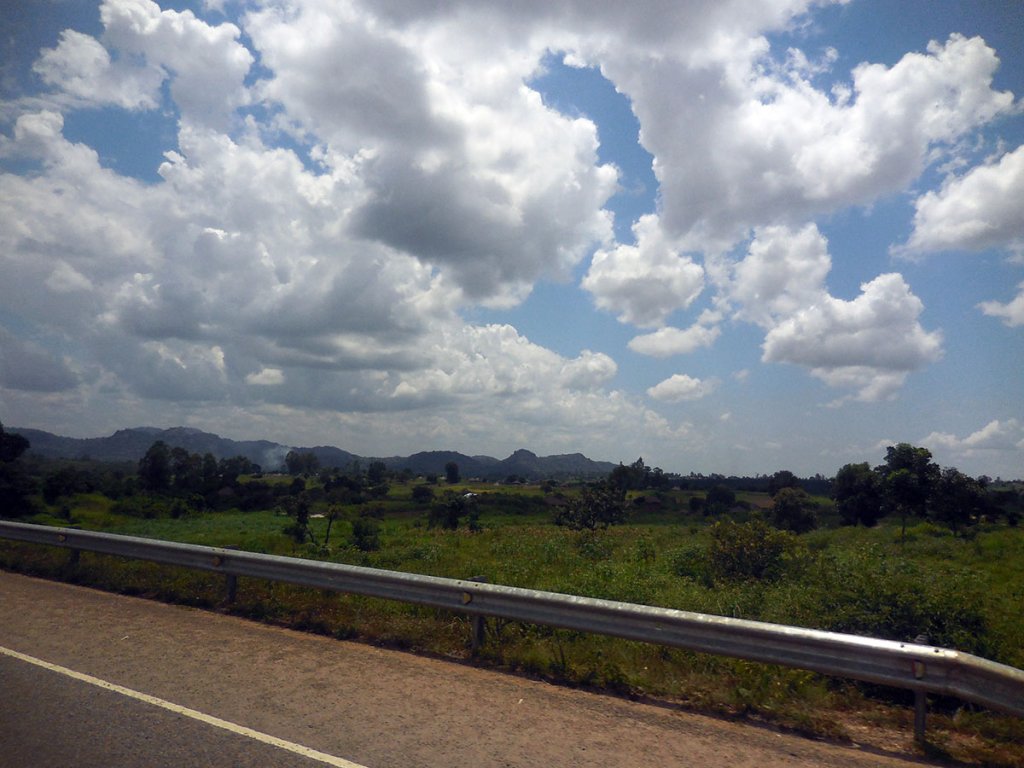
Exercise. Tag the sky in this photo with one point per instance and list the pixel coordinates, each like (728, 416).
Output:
(731, 236)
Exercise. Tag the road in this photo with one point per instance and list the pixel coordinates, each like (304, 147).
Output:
(89, 678)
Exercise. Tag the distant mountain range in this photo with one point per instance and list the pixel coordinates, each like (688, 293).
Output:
(132, 444)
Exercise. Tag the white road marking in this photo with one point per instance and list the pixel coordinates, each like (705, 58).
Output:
(298, 749)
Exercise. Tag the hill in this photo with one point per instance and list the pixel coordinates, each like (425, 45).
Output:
(132, 444)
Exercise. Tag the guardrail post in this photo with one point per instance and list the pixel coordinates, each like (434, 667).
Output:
(230, 583)
(477, 636)
(73, 554)
(920, 697)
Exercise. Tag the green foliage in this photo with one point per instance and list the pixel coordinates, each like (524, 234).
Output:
(719, 500)
(422, 494)
(155, 468)
(15, 484)
(301, 462)
(868, 592)
(376, 473)
(782, 479)
(298, 508)
(144, 506)
(446, 512)
(794, 510)
(858, 494)
(907, 478)
(750, 550)
(597, 506)
(692, 562)
(959, 500)
(366, 534)
(451, 473)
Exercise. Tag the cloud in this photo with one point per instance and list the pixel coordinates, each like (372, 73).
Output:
(784, 271)
(741, 139)
(997, 435)
(978, 210)
(680, 387)
(646, 282)
(870, 343)
(347, 183)
(1012, 313)
(266, 377)
(460, 164)
(26, 366)
(206, 64)
(668, 341)
(82, 68)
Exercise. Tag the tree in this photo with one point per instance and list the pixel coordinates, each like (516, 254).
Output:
(719, 499)
(597, 506)
(858, 494)
(187, 470)
(751, 550)
(422, 494)
(155, 468)
(794, 510)
(451, 473)
(366, 534)
(298, 507)
(15, 484)
(12, 445)
(908, 477)
(376, 472)
(447, 511)
(782, 479)
(958, 499)
(301, 462)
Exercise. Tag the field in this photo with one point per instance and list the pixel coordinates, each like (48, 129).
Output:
(964, 592)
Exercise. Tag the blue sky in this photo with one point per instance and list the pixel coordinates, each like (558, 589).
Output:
(728, 236)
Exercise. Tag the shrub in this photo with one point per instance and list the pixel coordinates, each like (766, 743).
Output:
(366, 534)
(751, 550)
(870, 593)
(793, 510)
(692, 562)
(596, 507)
(446, 512)
(422, 494)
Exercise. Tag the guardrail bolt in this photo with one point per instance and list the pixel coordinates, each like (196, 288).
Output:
(477, 637)
(920, 697)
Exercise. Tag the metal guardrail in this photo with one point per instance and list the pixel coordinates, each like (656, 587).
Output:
(920, 668)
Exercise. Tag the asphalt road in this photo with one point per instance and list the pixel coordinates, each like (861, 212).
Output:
(185, 687)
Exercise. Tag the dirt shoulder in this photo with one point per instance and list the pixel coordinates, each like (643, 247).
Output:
(374, 706)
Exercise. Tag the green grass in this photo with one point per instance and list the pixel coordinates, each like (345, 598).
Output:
(968, 590)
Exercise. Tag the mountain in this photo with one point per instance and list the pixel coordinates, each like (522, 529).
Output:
(132, 444)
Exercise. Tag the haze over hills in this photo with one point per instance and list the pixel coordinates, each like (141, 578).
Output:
(132, 444)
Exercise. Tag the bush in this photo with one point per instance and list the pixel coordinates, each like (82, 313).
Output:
(422, 494)
(144, 506)
(692, 562)
(596, 507)
(366, 534)
(751, 550)
(870, 593)
(793, 510)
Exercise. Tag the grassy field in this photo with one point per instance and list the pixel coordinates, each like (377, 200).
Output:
(962, 592)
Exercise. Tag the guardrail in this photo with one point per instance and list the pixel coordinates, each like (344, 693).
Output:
(914, 666)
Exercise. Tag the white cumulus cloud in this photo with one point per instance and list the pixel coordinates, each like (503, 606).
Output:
(680, 387)
(646, 282)
(982, 209)
(870, 343)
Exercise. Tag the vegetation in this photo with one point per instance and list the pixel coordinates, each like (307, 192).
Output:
(901, 550)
